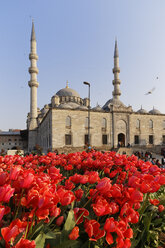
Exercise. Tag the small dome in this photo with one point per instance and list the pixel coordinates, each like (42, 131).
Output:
(46, 106)
(154, 112)
(112, 101)
(142, 111)
(67, 92)
(97, 108)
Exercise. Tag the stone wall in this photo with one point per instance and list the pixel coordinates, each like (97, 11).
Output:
(144, 131)
(78, 128)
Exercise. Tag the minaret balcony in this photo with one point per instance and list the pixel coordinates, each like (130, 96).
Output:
(116, 69)
(33, 83)
(116, 93)
(33, 56)
(33, 70)
(116, 81)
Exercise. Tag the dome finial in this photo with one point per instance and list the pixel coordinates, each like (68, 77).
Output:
(67, 84)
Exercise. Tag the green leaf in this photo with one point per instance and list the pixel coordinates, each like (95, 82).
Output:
(52, 235)
(158, 221)
(36, 230)
(66, 244)
(70, 222)
(40, 240)
(17, 239)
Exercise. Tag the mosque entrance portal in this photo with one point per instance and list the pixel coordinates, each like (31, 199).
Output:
(121, 140)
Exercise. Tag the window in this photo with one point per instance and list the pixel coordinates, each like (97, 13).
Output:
(9, 140)
(15, 139)
(67, 139)
(86, 122)
(138, 124)
(86, 139)
(151, 139)
(68, 122)
(163, 124)
(136, 139)
(163, 138)
(104, 139)
(150, 124)
(104, 123)
(9, 143)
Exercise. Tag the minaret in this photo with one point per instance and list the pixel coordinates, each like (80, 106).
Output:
(116, 70)
(33, 84)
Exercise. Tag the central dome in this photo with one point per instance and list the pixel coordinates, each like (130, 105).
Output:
(67, 92)
(113, 101)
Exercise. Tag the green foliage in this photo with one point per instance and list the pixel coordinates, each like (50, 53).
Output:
(147, 233)
(44, 234)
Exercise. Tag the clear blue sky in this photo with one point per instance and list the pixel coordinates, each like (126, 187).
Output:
(75, 42)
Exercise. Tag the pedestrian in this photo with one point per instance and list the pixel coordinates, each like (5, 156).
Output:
(158, 163)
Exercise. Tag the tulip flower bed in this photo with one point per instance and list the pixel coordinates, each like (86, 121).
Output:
(81, 200)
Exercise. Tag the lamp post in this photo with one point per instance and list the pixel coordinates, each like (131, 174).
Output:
(86, 83)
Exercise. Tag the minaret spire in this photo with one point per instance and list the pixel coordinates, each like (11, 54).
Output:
(116, 70)
(33, 36)
(116, 53)
(33, 84)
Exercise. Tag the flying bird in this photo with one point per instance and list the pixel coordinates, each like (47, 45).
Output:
(150, 91)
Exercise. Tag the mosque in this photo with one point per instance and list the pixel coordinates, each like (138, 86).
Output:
(64, 123)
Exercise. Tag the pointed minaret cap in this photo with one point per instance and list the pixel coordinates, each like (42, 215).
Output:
(116, 53)
(33, 36)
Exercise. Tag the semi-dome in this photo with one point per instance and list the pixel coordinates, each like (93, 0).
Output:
(67, 92)
(113, 101)
(68, 105)
(154, 111)
(82, 107)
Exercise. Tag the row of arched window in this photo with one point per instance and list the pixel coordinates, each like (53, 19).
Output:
(69, 123)
(150, 124)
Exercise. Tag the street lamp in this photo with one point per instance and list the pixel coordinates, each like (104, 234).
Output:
(86, 83)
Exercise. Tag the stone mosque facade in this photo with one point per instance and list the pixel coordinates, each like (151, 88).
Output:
(63, 123)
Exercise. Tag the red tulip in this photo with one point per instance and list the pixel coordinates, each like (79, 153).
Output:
(161, 208)
(59, 220)
(74, 234)
(25, 243)
(6, 192)
(154, 202)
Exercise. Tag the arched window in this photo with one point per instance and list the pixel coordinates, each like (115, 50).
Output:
(150, 124)
(104, 123)
(86, 122)
(138, 123)
(68, 122)
(163, 124)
